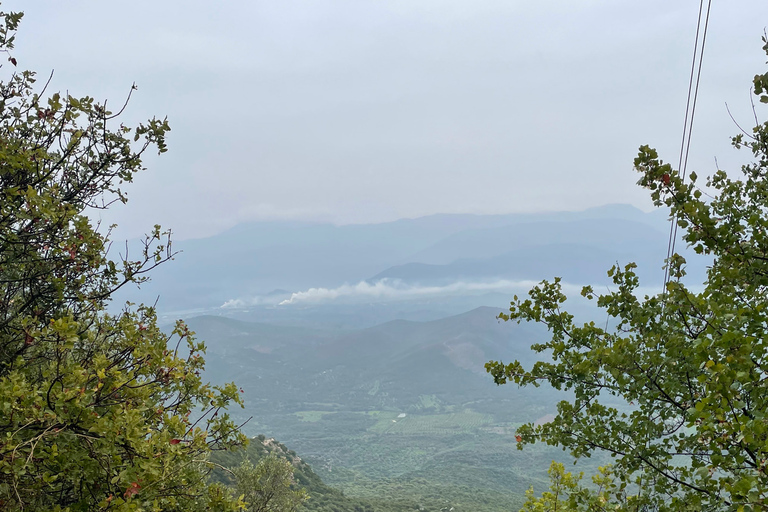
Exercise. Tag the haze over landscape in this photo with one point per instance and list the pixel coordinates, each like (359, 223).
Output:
(357, 190)
(362, 347)
(355, 112)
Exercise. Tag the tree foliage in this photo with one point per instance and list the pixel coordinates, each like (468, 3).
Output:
(691, 366)
(266, 487)
(567, 493)
(97, 411)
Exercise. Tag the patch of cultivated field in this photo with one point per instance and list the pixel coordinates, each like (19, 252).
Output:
(311, 416)
(417, 424)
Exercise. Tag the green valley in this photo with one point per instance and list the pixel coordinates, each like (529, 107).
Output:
(399, 413)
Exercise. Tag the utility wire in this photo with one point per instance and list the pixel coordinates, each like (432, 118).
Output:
(690, 107)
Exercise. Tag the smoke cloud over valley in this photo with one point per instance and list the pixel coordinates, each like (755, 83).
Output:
(386, 290)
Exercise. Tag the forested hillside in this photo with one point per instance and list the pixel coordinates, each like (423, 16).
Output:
(404, 495)
(401, 409)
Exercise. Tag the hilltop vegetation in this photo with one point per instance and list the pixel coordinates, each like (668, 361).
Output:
(322, 497)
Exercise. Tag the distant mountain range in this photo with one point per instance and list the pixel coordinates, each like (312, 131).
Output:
(257, 266)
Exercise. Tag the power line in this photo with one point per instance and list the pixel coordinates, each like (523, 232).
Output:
(690, 108)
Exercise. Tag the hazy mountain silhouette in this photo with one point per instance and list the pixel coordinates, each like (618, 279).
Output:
(246, 262)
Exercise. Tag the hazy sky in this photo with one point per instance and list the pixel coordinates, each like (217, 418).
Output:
(361, 110)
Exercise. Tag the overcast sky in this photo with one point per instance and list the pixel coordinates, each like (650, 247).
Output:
(357, 111)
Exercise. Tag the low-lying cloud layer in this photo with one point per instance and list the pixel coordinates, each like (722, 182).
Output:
(391, 290)
(386, 290)
(258, 300)
(394, 289)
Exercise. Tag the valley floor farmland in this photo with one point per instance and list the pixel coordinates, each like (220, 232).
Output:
(391, 412)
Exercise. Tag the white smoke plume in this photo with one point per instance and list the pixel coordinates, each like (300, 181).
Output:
(389, 290)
